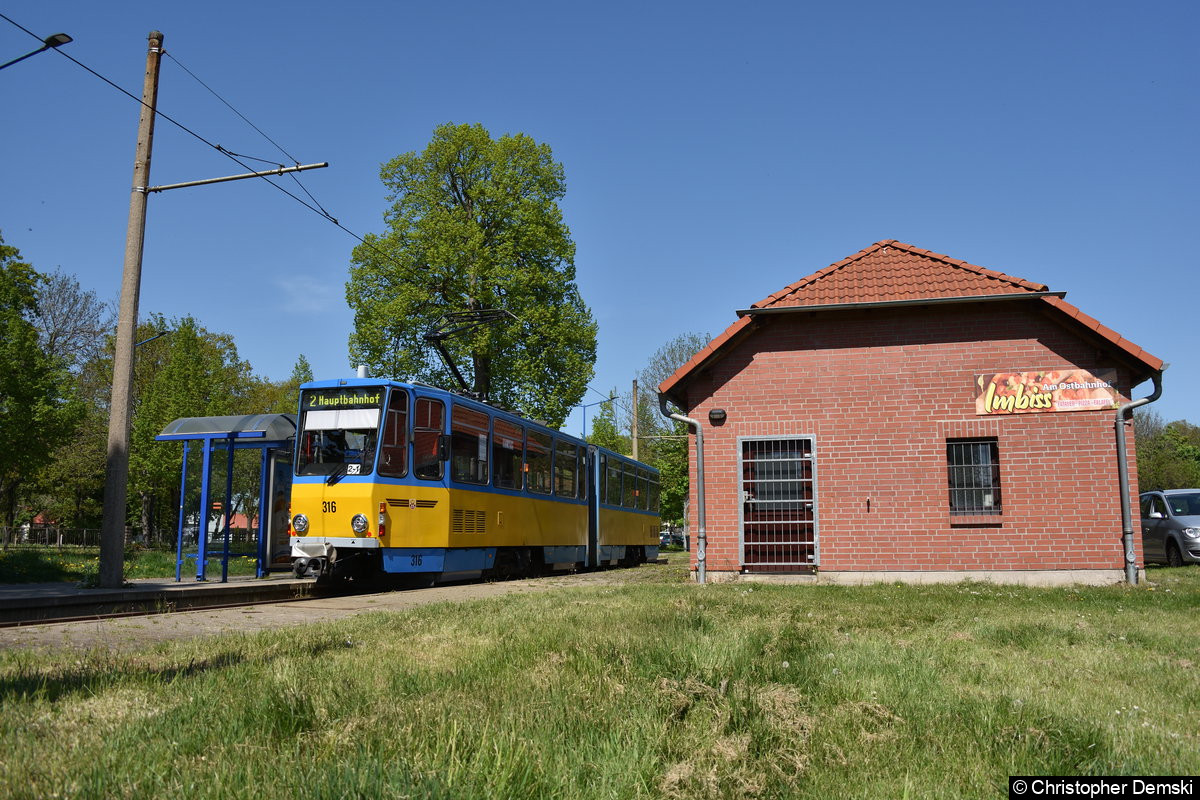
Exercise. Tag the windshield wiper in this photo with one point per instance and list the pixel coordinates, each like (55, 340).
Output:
(336, 475)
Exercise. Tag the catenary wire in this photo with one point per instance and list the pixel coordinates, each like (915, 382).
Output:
(228, 105)
(259, 130)
(318, 211)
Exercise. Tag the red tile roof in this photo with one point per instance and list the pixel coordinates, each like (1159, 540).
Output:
(889, 272)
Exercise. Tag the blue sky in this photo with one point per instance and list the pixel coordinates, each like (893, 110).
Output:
(714, 153)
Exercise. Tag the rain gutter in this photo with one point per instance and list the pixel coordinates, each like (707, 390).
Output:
(701, 537)
(1123, 414)
(922, 301)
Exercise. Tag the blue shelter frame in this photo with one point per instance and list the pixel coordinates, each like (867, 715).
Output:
(268, 433)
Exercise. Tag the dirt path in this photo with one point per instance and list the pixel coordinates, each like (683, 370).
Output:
(134, 632)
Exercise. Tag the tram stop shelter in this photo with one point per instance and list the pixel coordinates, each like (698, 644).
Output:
(272, 436)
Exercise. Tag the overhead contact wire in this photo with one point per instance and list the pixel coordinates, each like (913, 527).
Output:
(321, 212)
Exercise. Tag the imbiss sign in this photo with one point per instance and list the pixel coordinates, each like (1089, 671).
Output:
(1045, 391)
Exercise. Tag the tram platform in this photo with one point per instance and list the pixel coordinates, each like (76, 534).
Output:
(44, 602)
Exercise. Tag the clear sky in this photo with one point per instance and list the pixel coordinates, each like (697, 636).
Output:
(714, 152)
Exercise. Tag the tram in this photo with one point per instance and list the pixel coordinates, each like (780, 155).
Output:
(407, 479)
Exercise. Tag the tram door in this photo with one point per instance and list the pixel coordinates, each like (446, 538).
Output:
(595, 468)
(778, 511)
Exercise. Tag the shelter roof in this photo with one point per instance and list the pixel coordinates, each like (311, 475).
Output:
(271, 427)
(891, 273)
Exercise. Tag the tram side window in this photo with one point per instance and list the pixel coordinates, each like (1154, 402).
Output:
(629, 496)
(393, 454)
(566, 469)
(468, 445)
(654, 493)
(612, 483)
(429, 420)
(538, 453)
(643, 492)
(508, 454)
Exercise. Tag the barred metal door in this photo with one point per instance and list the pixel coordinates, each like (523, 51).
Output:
(778, 519)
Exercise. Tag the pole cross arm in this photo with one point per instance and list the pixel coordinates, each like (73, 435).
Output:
(263, 174)
(455, 323)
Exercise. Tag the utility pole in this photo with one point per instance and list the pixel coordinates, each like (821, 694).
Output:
(116, 475)
(633, 428)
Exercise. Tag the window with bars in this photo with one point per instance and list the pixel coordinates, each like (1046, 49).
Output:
(779, 525)
(973, 466)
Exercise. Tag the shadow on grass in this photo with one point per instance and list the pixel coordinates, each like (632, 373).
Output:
(101, 669)
(37, 566)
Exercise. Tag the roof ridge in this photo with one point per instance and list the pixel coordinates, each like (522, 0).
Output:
(969, 267)
(885, 244)
(821, 273)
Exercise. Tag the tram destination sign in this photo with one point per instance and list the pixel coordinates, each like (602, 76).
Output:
(347, 397)
(1049, 390)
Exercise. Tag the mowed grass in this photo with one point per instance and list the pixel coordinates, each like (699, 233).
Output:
(656, 688)
(38, 564)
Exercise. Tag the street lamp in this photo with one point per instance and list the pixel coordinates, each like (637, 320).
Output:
(56, 40)
(158, 335)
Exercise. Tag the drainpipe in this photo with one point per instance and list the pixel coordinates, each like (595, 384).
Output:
(1123, 413)
(701, 538)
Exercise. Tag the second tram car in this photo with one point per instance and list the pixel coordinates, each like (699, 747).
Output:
(408, 479)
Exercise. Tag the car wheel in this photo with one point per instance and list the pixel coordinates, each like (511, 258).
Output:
(1174, 557)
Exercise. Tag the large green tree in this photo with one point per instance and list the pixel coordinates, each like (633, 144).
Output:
(279, 397)
(74, 326)
(38, 410)
(190, 373)
(474, 224)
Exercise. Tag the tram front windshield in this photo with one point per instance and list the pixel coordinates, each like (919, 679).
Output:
(339, 431)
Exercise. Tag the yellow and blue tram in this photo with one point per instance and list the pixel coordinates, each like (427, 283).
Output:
(408, 479)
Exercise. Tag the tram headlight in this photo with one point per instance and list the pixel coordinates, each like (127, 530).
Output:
(299, 523)
(359, 523)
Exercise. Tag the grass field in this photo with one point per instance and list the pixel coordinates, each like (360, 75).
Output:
(38, 564)
(656, 688)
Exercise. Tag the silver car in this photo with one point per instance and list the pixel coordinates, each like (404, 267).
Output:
(1171, 526)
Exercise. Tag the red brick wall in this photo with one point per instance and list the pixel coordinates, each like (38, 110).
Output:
(881, 391)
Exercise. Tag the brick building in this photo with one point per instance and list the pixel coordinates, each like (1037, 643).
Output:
(905, 415)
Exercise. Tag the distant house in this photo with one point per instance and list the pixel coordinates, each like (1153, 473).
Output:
(905, 415)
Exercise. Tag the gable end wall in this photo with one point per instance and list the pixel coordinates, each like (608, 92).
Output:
(881, 392)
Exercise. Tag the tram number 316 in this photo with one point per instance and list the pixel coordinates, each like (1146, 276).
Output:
(414, 561)
(329, 506)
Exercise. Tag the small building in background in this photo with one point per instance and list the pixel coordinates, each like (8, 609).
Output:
(903, 415)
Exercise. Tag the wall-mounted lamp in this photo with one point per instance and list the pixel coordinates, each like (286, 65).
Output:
(716, 416)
